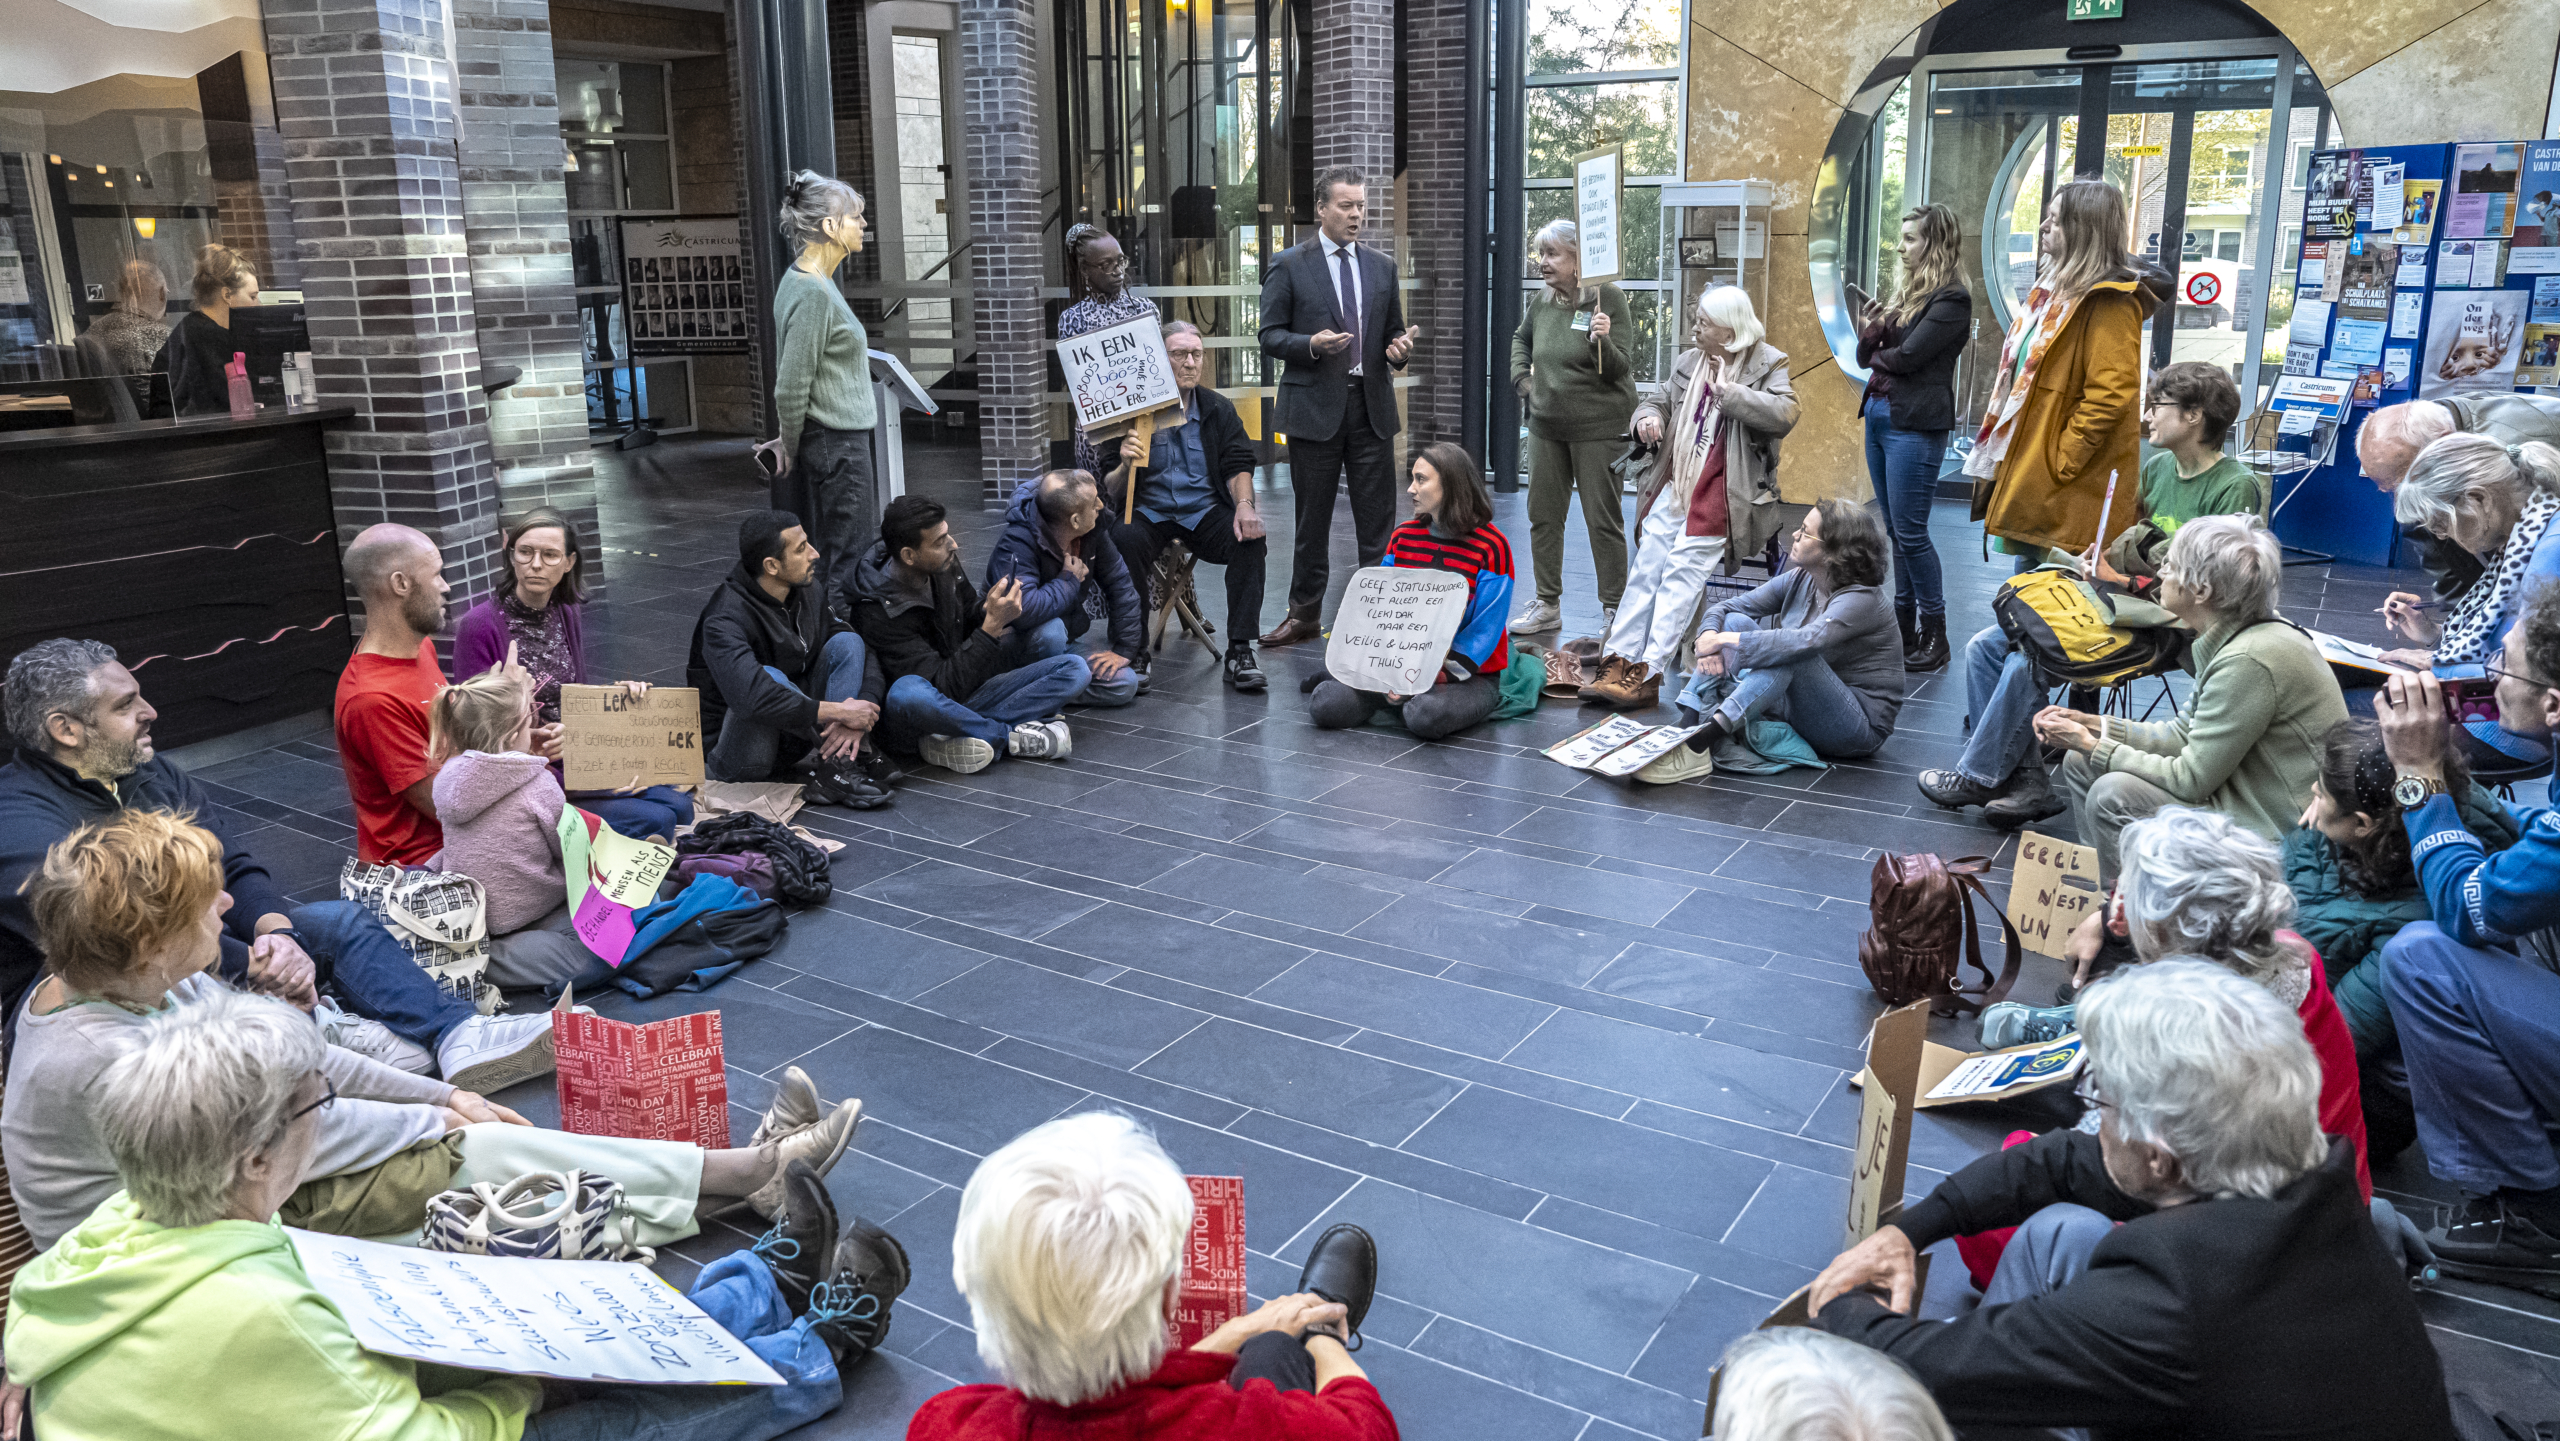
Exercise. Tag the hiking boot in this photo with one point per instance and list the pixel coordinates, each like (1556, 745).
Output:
(1908, 621)
(1540, 616)
(960, 755)
(1644, 686)
(842, 783)
(1040, 741)
(2491, 1232)
(487, 1054)
(1955, 790)
(815, 1147)
(850, 1309)
(1602, 686)
(1244, 676)
(372, 1040)
(2011, 1023)
(2027, 798)
(1931, 652)
(800, 1250)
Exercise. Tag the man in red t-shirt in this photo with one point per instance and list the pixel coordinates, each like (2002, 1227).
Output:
(384, 692)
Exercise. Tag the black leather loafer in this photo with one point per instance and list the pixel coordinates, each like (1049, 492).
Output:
(1342, 1267)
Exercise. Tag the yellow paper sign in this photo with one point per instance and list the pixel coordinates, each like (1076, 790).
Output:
(611, 738)
(2055, 888)
(2146, 152)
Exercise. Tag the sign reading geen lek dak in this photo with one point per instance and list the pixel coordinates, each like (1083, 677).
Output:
(611, 738)
(683, 289)
(574, 1320)
(665, 1081)
(1119, 371)
(1394, 628)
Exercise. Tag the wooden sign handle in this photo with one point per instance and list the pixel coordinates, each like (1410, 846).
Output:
(1134, 448)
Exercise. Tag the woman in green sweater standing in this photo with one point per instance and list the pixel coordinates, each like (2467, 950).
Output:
(1569, 366)
(822, 380)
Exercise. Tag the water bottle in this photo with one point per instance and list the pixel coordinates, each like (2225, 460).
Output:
(237, 373)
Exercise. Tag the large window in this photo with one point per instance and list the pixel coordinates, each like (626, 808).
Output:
(614, 121)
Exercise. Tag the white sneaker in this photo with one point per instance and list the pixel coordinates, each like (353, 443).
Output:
(1678, 764)
(372, 1040)
(821, 1144)
(1041, 741)
(960, 755)
(1542, 615)
(487, 1054)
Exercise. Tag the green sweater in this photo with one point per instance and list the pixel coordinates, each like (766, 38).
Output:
(2249, 742)
(1571, 396)
(130, 1329)
(2169, 500)
(822, 367)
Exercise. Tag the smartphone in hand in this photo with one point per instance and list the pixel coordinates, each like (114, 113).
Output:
(2469, 698)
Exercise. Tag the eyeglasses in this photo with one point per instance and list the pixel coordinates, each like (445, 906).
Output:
(2499, 672)
(1112, 266)
(527, 555)
(2087, 1091)
(322, 1104)
(1187, 357)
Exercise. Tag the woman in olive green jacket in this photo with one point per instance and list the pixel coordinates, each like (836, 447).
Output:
(1570, 364)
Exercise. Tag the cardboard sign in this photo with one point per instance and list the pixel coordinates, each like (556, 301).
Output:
(1118, 371)
(1212, 1261)
(1394, 628)
(610, 738)
(2053, 891)
(1951, 1075)
(1599, 181)
(665, 1081)
(1890, 1084)
(609, 875)
(573, 1320)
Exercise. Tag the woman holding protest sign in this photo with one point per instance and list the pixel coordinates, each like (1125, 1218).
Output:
(1452, 529)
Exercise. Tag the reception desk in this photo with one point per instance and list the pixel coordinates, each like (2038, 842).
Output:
(204, 550)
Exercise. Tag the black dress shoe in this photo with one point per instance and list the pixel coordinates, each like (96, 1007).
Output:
(1243, 675)
(1342, 1267)
(800, 1250)
(851, 1311)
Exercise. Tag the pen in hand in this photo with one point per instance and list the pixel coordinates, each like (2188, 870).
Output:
(2421, 605)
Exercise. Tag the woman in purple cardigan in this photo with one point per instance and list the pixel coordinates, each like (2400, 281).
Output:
(535, 609)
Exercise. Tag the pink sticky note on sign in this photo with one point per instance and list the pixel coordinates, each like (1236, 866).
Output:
(605, 925)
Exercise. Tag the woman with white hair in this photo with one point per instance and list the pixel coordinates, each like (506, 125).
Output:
(180, 1309)
(1793, 1383)
(2496, 502)
(2201, 1266)
(1710, 495)
(1069, 1248)
(1577, 379)
(2248, 743)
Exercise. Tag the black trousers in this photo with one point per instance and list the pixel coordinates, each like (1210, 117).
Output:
(1276, 1357)
(1213, 539)
(829, 489)
(1316, 467)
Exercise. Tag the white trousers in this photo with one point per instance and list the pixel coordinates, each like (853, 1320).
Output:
(1663, 586)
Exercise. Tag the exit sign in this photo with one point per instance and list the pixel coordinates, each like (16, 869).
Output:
(2095, 9)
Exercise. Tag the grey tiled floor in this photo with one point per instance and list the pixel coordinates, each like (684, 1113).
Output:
(1574, 1052)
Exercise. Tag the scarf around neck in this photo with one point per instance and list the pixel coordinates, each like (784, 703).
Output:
(2473, 627)
(2030, 336)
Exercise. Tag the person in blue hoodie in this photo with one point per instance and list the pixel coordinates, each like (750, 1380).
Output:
(1065, 567)
(2475, 990)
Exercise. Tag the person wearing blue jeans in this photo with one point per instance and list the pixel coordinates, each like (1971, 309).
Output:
(1047, 641)
(2474, 993)
(917, 713)
(2002, 768)
(747, 749)
(1066, 569)
(1910, 346)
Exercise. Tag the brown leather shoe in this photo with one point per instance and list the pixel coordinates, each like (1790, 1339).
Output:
(1629, 685)
(1602, 689)
(1292, 631)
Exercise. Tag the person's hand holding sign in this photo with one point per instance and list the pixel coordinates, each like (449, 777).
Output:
(1599, 325)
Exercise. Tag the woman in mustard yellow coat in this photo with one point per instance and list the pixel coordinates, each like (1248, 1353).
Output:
(2065, 409)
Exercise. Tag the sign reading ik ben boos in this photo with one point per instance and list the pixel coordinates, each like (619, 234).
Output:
(610, 738)
(1119, 371)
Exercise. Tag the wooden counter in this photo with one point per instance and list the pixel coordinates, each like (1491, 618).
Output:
(204, 550)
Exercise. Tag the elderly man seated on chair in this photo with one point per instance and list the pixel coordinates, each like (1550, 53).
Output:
(1197, 487)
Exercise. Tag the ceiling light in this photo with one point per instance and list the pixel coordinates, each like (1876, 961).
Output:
(145, 226)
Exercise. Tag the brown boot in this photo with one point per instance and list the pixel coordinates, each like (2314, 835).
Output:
(1603, 688)
(1644, 687)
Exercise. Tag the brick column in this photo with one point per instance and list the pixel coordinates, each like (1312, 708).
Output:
(1355, 103)
(999, 99)
(523, 289)
(1435, 210)
(365, 101)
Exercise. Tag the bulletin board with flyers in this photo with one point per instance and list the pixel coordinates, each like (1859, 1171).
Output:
(684, 291)
(2428, 272)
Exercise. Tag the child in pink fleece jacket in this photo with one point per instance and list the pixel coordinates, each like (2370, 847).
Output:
(498, 803)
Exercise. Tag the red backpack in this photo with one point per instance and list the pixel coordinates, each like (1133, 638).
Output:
(1922, 907)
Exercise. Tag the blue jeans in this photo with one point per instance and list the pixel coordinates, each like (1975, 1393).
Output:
(1904, 466)
(747, 749)
(2050, 1251)
(1049, 638)
(353, 956)
(1805, 693)
(738, 1293)
(2480, 1034)
(915, 709)
(2002, 695)
(656, 811)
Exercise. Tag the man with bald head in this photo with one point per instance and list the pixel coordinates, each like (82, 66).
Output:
(384, 692)
(2391, 438)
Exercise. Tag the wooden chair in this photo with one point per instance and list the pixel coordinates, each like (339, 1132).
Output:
(1170, 586)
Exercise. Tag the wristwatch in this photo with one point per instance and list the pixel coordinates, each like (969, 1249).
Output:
(2412, 791)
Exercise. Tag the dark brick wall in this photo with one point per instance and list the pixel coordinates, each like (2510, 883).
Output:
(1434, 187)
(1355, 105)
(1004, 134)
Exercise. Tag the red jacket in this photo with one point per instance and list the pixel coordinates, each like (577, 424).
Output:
(1187, 1399)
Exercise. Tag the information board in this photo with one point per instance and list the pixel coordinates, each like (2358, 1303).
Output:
(684, 291)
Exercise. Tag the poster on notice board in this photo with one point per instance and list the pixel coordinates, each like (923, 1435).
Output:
(2484, 190)
(683, 291)
(2473, 342)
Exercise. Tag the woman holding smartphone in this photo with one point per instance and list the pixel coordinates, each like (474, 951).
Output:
(822, 379)
(1910, 348)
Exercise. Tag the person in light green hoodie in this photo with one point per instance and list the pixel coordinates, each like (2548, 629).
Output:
(180, 1309)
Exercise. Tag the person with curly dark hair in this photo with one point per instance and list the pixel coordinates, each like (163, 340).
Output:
(1098, 297)
(1817, 647)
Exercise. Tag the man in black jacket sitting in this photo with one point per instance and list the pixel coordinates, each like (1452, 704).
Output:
(782, 679)
(1197, 487)
(2203, 1266)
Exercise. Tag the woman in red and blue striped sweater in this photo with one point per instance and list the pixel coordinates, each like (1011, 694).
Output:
(1452, 529)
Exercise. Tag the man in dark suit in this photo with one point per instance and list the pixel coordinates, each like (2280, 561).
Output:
(1332, 311)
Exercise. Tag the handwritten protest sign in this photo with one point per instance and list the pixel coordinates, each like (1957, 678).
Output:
(1394, 628)
(574, 1320)
(610, 738)
(609, 876)
(1598, 186)
(1118, 371)
(1881, 1152)
(1212, 1261)
(664, 1081)
(2055, 887)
